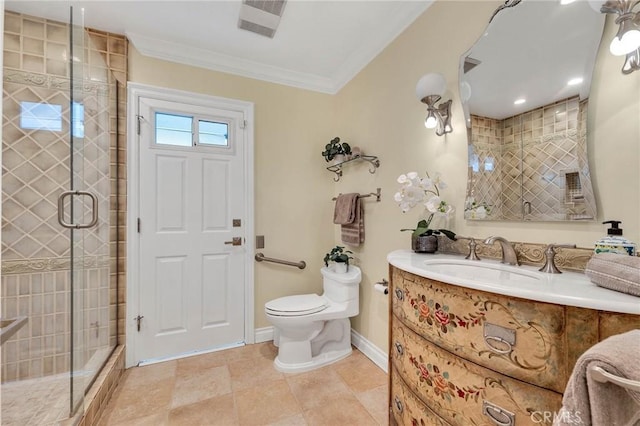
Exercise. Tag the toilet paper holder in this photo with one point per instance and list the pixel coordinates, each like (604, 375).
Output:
(382, 286)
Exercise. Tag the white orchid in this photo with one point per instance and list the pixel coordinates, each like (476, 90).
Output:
(425, 191)
(475, 210)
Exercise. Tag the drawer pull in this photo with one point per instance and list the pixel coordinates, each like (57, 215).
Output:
(505, 337)
(399, 348)
(399, 294)
(498, 415)
(398, 404)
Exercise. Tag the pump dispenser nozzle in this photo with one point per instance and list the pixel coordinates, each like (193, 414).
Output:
(614, 230)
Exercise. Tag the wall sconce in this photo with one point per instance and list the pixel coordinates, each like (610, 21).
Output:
(429, 90)
(627, 40)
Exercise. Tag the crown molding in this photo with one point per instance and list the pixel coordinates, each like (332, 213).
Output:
(203, 58)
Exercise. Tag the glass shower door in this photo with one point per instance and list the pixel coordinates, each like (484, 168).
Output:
(56, 193)
(92, 101)
(77, 196)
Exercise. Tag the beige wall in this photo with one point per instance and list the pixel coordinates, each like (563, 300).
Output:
(379, 112)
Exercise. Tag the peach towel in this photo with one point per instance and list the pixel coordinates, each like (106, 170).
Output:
(353, 233)
(589, 402)
(615, 271)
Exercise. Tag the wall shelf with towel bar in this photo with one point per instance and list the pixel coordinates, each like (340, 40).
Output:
(371, 159)
(259, 257)
(376, 194)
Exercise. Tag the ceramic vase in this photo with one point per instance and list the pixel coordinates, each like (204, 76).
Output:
(424, 244)
(340, 267)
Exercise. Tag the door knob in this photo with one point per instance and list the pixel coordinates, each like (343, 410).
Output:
(236, 241)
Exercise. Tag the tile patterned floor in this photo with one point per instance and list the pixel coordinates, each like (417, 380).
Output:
(241, 387)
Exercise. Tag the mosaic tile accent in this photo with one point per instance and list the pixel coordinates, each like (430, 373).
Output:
(539, 157)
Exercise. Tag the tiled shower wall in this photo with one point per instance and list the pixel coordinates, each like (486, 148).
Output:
(35, 249)
(531, 155)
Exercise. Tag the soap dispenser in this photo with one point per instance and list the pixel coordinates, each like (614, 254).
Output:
(614, 242)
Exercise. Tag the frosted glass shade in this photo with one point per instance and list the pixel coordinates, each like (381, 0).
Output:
(627, 40)
(431, 84)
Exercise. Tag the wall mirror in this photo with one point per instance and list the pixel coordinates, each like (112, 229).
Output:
(525, 88)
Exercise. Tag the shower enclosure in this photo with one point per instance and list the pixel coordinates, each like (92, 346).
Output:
(59, 283)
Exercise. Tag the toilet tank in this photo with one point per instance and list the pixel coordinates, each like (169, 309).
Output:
(341, 287)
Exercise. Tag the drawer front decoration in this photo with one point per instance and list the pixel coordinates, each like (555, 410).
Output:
(612, 323)
(462, 392)
(408, 410)
(520, 338)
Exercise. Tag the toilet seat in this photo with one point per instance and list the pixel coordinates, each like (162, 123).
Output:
(303, 304)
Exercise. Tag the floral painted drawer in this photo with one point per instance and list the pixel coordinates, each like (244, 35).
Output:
(407, 409)
(461, 392)
(519, 338)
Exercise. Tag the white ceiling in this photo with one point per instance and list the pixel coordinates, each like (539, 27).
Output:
(320, 45)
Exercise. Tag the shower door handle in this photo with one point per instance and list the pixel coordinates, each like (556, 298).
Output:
(94, 210)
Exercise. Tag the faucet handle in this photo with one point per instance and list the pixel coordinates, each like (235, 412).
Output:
(549, 258)
(472, 249)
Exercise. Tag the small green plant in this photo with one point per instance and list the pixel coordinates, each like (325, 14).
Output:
(423, 230)
(334, 147)
(338, 254)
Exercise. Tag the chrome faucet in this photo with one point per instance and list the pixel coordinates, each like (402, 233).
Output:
(508, 253)
(549, 258)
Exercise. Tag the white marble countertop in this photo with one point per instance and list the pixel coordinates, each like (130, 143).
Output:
(568, 288)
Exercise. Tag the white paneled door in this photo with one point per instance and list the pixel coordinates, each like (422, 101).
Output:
(191, 230)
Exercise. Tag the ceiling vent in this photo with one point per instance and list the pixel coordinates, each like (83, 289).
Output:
(261, 16)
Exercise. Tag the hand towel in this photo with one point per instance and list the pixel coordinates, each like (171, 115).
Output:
(353, 233)
(345, 210)
(615, 272)
(589, 402)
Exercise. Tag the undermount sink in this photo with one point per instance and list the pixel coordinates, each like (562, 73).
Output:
(482, 271)
(10, 326)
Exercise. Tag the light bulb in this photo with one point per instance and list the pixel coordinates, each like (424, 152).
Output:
(430, 121)
(627, 40)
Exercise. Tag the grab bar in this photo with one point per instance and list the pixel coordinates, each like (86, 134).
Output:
(261, 257)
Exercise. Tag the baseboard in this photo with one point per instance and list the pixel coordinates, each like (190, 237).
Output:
(371, 351)
(264, 334)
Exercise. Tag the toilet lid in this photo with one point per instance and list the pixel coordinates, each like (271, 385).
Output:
(302, 304)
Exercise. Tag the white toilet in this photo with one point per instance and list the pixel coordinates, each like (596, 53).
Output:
(311, 331)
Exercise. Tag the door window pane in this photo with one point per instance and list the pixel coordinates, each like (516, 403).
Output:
(213, 133)
(173, 129)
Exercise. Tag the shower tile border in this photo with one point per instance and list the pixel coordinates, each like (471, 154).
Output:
(15, 267)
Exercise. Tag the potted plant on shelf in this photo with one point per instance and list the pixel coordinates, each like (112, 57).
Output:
(335, 150)
(340, 257)
(415, 190)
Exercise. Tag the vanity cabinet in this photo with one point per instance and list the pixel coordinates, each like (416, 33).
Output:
(463, 356)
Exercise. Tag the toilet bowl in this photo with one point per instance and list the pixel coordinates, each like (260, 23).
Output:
(313, 330)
